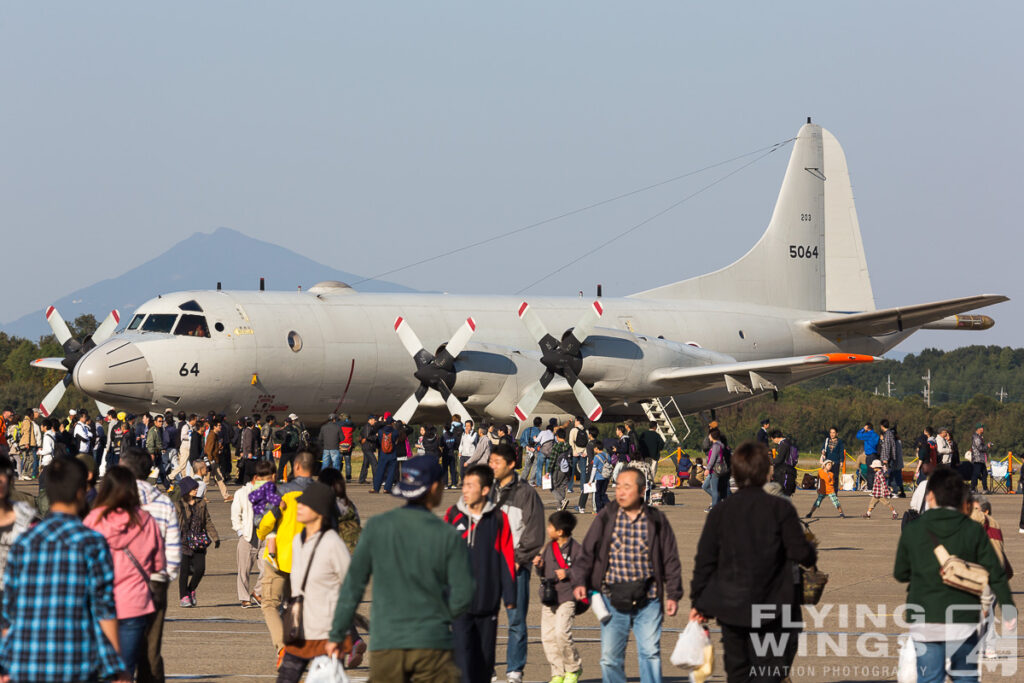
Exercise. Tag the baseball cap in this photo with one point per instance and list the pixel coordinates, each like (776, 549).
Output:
(418, 475)
(294, 417)
(332, 416)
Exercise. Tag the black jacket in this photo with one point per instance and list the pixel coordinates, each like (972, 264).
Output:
(491, 556)
(592, 562)
(746, 556)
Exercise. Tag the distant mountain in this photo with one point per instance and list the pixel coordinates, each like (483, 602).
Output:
(197, 262)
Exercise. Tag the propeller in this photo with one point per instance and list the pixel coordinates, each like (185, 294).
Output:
(436, 372)
(73, 352)
(564, 358)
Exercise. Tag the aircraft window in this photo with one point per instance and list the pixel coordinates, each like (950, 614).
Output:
(219, 327)
(192, 326)
(136, 321)
(294, 341)
(159, 322)
(191, 305)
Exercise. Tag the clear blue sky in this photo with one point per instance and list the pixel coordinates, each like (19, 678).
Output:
(367, 135)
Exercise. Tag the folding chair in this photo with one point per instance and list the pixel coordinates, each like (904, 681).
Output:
(1000, 477)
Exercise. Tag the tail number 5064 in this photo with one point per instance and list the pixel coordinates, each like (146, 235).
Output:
(797, 251)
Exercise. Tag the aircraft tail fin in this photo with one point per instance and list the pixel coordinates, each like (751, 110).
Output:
(811, 256)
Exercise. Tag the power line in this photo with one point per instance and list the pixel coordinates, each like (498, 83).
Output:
(655, 216)
(531, 226)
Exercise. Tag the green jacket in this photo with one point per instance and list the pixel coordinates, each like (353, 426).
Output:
(154, 441)
(916, 563)
(421, 581)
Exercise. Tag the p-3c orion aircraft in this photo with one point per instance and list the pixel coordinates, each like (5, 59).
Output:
(798, 305)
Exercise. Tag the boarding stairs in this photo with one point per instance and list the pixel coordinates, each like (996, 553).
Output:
(662, 412)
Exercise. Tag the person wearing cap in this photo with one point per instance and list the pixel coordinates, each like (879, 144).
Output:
(979, 459)
(389, 442)
(197, 532)
(330, 442)
(348, 432)
(288, 438)
(880, 491)
(320, 561)
(422, 581)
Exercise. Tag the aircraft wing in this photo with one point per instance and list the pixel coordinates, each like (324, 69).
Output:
(751, 376)
(891, 320)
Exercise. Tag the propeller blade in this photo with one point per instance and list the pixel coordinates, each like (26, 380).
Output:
(533, 322)
(107, 327)
(461, 337)
(408, 409)
(103, 408)
(49, 363)
(529, 400)
(409, 339)
(455, 406)
(51, 400)
(57, 324)
(591, 406)
(588, 322)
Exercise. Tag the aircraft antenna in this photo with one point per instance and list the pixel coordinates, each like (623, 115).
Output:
(531, 226)
(655, 216)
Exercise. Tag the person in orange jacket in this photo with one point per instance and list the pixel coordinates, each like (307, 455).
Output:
(826, 487)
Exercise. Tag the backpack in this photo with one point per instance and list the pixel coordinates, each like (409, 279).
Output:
(794, 456)
(545, 448)
(387, 441)
(581, 438)
(607, 468)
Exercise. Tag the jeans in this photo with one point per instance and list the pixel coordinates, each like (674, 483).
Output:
(963, 665)
(979, 473)
(386, 472)
(346, 456)
(710, 487)
(577, 471)
(369, 464)
(529, 457)
(646, 626)
(131, 637)
(515, 655)
(332, 459)
(540, 466)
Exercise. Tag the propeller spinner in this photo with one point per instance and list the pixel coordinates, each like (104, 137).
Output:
(436, 372)
(564, 358)
(73, 352)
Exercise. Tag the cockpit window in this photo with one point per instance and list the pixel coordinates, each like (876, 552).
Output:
(191, 305)
(192, 326)
(159, 322)
(136, 321)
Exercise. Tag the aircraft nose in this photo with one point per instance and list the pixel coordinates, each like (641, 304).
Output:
(115, 372)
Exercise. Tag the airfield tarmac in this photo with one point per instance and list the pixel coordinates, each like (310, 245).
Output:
(220, 641)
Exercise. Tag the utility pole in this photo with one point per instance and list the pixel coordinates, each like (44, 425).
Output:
(1002, 394)
(888, 385)
(928, 388)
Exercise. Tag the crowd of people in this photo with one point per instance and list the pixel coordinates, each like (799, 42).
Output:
(439, 581)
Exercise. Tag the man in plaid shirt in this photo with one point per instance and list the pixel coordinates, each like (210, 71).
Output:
(58, 617)
(630, 556)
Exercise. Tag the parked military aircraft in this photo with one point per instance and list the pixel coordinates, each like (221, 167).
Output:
(799, 304)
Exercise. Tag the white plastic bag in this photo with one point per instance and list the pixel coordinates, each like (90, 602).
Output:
(689, 651)
(545, 482)
(326, 669)
(907, 671)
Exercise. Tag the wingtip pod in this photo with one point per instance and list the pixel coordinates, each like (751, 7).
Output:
(841, 358)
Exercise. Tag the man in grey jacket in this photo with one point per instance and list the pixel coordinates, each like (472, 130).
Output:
(521, 504)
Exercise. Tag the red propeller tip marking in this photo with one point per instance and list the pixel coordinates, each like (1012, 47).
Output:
(398, 322)
(598, 308)
(596, 415)
(117, 316)
(472, 324)
(43, 411)
(49, 312)
(520, 415)
(522, 308)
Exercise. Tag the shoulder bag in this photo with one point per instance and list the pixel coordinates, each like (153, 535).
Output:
(958, 573)
(292, 617)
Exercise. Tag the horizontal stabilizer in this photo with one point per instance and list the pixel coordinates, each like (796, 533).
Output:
(891, 320)
(748, 376)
